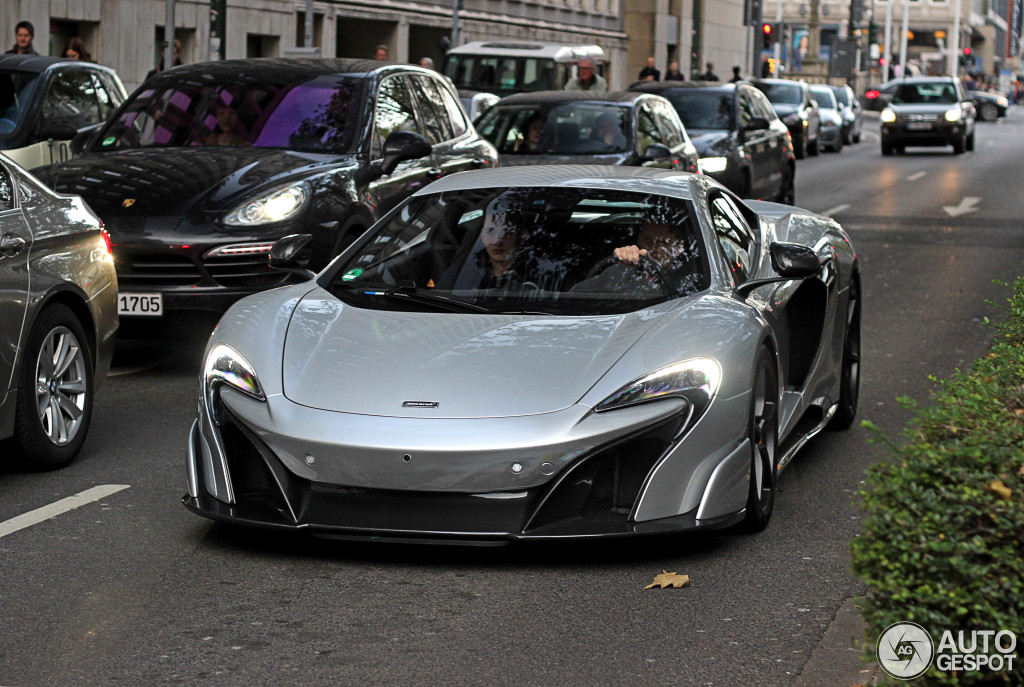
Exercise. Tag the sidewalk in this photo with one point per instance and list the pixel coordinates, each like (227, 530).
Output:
(836, 662)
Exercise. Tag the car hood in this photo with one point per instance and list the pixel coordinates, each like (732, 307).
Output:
(710, 142)
(785, 109)
(174, 182)
(346, 359)
(522, 160)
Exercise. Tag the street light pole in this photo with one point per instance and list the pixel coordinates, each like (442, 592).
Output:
(169, 35)
(954, 48)
(887, 51)
(903, 38)
(456, 6)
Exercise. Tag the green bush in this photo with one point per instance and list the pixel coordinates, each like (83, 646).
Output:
(941, 546)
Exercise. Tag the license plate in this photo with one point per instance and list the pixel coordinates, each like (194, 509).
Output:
(919, 126)
(140, 304)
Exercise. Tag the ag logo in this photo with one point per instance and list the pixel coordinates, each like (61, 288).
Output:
(904, 650)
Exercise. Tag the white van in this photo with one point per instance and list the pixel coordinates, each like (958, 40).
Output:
(507, 67)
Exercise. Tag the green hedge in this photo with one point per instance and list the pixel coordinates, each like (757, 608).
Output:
(943, 542)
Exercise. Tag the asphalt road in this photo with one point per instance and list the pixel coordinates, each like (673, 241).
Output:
(131, 589)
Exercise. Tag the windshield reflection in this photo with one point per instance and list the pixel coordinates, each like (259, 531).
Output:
(532, 250)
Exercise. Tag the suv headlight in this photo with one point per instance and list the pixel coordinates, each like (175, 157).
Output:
(887, 116)
(954, 114)
(694, 381)
(278, 205)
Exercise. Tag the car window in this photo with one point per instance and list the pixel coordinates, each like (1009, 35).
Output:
(824, 99)
(734, 236)
(748, 111)
(431, 108)
(760, 104)
(456, 116)
(670, 124)
(104, 98)
(6, 190)
(394, 111)
(699, 109)
(938, 92)
(574, 128)
(71, 99)
(647, 128)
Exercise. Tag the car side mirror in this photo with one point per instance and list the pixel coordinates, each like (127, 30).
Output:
(80, 140)
(656, 151)
(401, 146)
(757, 124)
(292, 253)
(58, 131)
(790, 261)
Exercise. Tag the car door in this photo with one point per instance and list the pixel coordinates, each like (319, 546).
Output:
(758, 142)
(442, 127)
(395, 110)
(649, 133)
(684, 153)
(15, 241)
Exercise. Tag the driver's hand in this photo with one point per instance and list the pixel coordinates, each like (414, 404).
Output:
(630, 254)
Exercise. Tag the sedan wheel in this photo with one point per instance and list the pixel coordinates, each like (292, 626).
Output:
(988, 112)
(56, 404)
(764, 438)
(849, 385)
(800, 147)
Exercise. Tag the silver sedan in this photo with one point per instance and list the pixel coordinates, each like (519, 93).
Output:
(536, 352)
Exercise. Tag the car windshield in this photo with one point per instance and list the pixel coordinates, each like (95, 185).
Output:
(533, 250)
(702, 109)
(842, 96)
(505, 75)
(932, 92)
(319, 115)
(583, 128)
(784, 93)
(823, 99)
(15, 92)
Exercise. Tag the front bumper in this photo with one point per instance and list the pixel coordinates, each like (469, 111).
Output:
(595, 493)
(927, 133)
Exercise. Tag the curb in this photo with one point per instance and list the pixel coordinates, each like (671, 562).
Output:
(838, 661)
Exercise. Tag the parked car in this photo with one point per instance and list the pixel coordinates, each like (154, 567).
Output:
(58, 318)
(495, 360)
(928, 111)
(46, 101)
(742, 143)
(793, 102)
(207, 164)
(617, 128)
(877, 99)
(990, 106)
(852, 113)
(831, 134)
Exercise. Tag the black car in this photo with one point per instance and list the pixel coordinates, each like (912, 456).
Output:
(990, 106)
(928, 111)
(46, 101)
(206, 165)
(793, 102)
(576, 127)
(742, 143)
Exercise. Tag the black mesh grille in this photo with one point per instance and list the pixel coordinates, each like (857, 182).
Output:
(243, 270)
(146, 270)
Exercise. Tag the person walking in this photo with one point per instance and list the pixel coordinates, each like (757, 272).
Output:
(24, 32)
(709, 75)
(650, 72)
(673, 73)
(587, 79)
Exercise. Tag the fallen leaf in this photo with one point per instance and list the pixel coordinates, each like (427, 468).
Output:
(669, 579)
(997, 487)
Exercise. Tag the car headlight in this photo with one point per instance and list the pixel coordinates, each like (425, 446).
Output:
(887, 116)
(276, 206)
(713, 164)
(1003, 102)
(954, 114)
(694, 381)
(225, 365)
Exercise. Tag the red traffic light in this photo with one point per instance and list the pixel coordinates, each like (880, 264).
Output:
(967, 51)
(766, 29)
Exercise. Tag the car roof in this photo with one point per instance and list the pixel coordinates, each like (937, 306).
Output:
(562, 52)
(662, 86)
(40, 63)
(613, 97)
(670, 183)
(293, 67)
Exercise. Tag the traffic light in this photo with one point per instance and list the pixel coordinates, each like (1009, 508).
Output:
(767, 31)
(967, 58)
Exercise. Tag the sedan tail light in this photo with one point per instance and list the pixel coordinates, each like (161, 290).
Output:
(872, 94)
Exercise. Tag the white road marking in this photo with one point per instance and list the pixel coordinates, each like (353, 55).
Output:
(63, 506)
(967, 205)
(917, 175)
(835, 210)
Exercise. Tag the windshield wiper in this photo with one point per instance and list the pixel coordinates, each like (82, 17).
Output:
(408, 291)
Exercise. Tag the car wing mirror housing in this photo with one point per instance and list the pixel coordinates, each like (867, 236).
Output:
(656, 151)
(58, 131)
(401, 146)
(791, 261)
(80, 140)
(757, 124)
(292, 253)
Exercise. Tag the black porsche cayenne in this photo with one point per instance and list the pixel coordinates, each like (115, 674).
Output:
(206, 165)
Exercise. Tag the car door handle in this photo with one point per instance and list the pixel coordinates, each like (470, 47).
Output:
(478, 163)
(434, 173)
(11, 245)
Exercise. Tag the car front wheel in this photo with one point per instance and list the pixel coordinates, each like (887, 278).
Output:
(763, 432)
(849, 384)
(988, 112)
(55, 399)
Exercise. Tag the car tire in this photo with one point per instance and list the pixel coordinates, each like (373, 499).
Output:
(800, 147)
(849, 384)
(787, 196)
(960, 144)
(763, 431)
(970, 142)
(745, 185)
(886, 148)
(838, 147)
(814, 148)
(856, 138)
(988, 112)
(56, 396)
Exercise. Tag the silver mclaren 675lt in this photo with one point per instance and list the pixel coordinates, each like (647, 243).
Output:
(534, 353)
